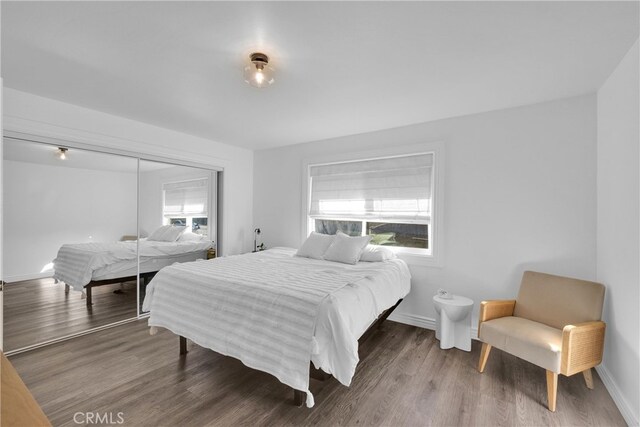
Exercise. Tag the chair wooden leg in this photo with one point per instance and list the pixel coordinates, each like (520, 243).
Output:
(484, 355)
(552, 389)
(588, 378)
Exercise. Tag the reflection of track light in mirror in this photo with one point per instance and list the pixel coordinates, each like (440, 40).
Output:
(62, 153)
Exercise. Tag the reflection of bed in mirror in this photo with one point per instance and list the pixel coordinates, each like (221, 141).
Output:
(83, 266)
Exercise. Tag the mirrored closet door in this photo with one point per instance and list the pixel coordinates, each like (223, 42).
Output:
(177, 217)
(70, 249)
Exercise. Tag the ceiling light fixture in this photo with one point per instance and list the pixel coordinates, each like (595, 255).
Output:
(259, 74)
(62, 153)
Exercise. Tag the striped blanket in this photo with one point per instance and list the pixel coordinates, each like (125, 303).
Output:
(259, 308)
(75, 263)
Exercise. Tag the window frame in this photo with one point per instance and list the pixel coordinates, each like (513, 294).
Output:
(429, 257)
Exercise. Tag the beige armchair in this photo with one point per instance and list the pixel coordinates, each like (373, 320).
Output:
(555, 324)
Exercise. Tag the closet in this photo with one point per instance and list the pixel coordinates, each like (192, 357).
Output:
(85, 230)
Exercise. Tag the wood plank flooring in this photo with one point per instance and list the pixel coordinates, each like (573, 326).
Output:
(38, 310)
(404, 379)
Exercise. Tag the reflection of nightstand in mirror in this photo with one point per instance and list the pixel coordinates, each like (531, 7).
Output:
(211, 253)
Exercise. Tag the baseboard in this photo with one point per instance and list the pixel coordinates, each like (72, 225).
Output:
(414, 320)
(21, 277)
(616, 395)
(422, 322)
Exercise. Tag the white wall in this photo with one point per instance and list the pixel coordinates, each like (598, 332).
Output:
(47, 206)
(24, 112)
(618, 232)
(151, 193)
(519, 194)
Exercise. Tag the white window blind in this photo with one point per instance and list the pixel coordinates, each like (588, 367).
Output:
(394, 189)
(186, 198)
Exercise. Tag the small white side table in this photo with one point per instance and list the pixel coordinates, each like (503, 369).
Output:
(453, 322)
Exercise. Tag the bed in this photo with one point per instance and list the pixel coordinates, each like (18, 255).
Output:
(83, 266)
(277, 312)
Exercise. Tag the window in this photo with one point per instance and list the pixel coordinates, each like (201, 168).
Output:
(186, 203)
(388, 198)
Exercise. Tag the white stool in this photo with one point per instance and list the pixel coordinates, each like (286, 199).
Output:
(453, 322)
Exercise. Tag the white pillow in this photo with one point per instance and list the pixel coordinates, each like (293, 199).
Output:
(167, 233)
(174, 232)
(191, 237)
(377, 254)
(346, 249)
(158, 232)
(315, 246)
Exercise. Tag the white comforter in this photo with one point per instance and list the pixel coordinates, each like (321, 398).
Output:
(75, 263)
(230, 309)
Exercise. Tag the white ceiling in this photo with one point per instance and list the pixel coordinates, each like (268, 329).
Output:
(342, 67)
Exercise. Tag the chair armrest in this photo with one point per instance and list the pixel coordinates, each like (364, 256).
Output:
(582, 346)
(495, 309)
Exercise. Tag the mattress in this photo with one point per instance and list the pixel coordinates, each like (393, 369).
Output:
(342, 317)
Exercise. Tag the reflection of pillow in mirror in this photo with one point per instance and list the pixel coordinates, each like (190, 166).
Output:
(167, 233)
(158, 232)
(376, 254)
(191, 237)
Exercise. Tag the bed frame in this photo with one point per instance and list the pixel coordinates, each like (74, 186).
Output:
(144, 277)
(299, 396)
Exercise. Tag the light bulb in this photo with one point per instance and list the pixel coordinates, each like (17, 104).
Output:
(259, 77)
(63, 156)
(62, 153)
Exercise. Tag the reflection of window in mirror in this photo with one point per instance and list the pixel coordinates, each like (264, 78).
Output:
(186, 203)
(199, 225)
(177, 195)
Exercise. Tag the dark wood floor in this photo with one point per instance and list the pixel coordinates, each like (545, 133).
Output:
(403, 379)
(39, 310)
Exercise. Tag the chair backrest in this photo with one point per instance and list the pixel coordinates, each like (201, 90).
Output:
(558, 301)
